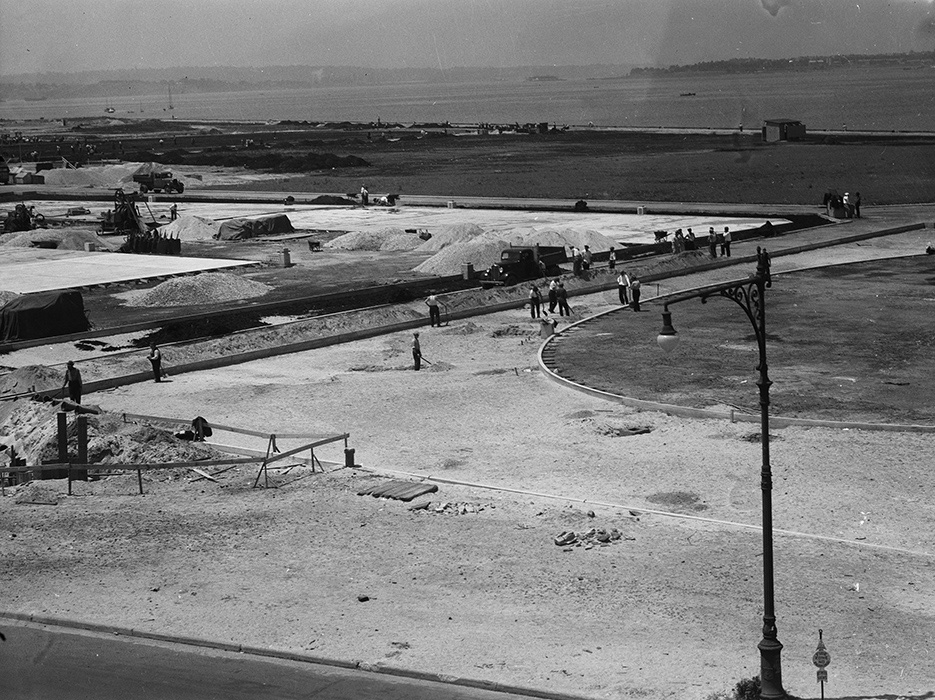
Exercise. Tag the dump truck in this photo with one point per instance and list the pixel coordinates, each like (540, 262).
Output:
(157, 182)
(520, 263)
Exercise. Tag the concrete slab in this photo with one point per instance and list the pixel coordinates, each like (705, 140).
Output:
(28, 270)
(623, 228)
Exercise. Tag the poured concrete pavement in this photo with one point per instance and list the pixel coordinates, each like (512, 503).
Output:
(28, 270)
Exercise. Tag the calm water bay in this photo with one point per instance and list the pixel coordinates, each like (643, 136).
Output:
(883, 98)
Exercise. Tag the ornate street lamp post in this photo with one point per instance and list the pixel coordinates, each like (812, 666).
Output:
(750, 295)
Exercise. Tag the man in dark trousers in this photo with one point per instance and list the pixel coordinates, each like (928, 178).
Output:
(553, 296)
(73, 382)
(416, 353)
(562, 294)
(155, 359)
(623, 286)
(635, 294)
(712, 242)
(725, 242)
(435, 317)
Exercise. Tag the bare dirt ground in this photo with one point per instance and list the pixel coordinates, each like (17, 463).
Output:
(671, 610)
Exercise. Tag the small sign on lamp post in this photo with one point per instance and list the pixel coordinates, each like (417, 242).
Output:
(821, 658)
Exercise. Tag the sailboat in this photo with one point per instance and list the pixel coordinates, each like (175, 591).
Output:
(109, 109)
(171, 106)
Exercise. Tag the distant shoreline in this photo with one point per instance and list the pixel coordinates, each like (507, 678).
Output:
(875, 99)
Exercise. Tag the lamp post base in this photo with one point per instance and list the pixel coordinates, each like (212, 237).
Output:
(770, 670)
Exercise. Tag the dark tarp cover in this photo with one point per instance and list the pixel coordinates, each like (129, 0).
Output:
(42, 315)
(237, 229)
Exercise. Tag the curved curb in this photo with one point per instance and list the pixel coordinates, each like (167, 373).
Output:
(291, 656)
(705, 413)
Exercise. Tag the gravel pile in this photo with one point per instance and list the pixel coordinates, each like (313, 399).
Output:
(206, 288)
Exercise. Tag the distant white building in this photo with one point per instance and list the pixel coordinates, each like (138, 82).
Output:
(783, 130)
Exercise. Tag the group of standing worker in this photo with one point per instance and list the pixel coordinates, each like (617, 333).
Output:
(73, 375)
(723, 240)
(628, 288)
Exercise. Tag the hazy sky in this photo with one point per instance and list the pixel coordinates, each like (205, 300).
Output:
(73, 35)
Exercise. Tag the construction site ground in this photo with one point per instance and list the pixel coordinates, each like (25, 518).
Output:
(473, 586)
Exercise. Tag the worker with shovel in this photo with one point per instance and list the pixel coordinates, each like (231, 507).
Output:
(416, 352)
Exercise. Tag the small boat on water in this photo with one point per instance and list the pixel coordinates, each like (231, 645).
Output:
(686, 94)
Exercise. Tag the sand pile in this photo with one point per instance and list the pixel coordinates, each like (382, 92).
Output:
(469, 243)
(109, 176)
(206, 288)
(65, 238)
(189, 227)
(448, 235)
(482, 252)
(390, 238)
(565, 237)
(31, 378)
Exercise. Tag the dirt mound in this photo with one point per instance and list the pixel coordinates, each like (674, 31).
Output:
(6, 296)
(32, 428)
(464, 329)
(390, 238)
(189, 227)
(64, 239)
(30, 378)
(206, 288)
(332, 200)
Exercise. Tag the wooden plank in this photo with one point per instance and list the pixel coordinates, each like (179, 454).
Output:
(399, 490)
(204, 475)
(419, 490)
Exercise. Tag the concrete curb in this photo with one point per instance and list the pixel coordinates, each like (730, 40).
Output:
(291, 656)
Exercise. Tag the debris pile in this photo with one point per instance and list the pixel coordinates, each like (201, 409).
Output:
(590, 539)
(206, 288)
(462, 508)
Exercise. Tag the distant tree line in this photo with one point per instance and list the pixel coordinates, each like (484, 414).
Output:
(773, 65)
